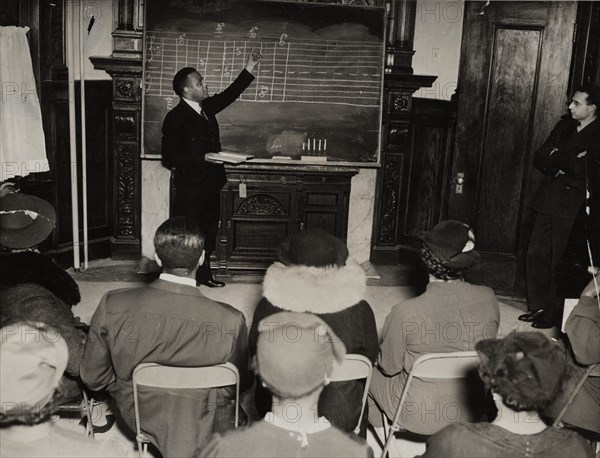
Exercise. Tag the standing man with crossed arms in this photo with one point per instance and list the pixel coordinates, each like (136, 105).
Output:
(566, 159)
(190, 130)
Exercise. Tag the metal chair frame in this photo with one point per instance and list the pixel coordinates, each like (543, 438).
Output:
(161, 376)
(85, 408)
(451, 365)
(354, 367)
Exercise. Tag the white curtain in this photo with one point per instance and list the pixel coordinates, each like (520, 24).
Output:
(22, 146)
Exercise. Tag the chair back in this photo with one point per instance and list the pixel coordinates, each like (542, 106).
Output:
(354, 367)
(453, 365)
(591, 371)
(445, 365)
(159, 376)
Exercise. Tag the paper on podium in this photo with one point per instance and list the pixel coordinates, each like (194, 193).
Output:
(569, 306)
(230, 158)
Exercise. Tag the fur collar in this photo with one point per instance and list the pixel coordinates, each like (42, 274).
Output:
(314, 289)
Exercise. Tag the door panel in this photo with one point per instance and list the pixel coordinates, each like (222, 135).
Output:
(514, 72)
(508, 124)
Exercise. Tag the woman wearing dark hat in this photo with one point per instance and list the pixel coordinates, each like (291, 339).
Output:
(314, 276)
(32, 286)
(451, 315)
(525, 372)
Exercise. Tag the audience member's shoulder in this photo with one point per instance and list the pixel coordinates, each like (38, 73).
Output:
(482, 289)
(114, 293)
(349, 444)
(231, 310)
(74, 443)
(231, 443)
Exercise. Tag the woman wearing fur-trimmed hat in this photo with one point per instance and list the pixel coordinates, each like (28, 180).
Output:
(314, 275)
(525, 372)
(451, 315)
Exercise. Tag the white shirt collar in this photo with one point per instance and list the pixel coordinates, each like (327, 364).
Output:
(195, 105)
(176, 279)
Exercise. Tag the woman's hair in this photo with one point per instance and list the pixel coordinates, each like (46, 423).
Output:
(525, 369)
(437, 268)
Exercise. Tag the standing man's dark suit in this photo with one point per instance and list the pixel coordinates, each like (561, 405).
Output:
(187, 137)
(563, 159)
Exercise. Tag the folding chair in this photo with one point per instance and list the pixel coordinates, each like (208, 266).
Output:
(591, 371)
(84, 408)
(159, 376)
(452, 365)
(354, 367)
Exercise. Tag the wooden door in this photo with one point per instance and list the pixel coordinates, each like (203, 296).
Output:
(514, 73)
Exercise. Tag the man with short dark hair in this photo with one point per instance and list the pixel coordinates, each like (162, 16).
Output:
(190, 130)
(565, 159)
(168, 322)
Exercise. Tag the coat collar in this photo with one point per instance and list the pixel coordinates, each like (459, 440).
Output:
(314, 289)
(187, 108)
(176, 288)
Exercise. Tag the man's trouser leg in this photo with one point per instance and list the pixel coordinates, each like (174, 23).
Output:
(549, 239)
(538, 268)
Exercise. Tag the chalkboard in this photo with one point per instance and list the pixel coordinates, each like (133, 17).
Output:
(318, 87)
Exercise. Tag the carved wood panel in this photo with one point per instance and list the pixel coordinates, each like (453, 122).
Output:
(390, 196)
(277, 203)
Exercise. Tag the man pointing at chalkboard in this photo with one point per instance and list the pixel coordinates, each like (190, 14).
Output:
(189, 131)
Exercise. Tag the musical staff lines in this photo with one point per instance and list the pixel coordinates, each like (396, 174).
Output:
(291, 70)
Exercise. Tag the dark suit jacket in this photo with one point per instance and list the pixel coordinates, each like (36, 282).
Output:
(562, 195)
(187, 136)
(175, 325)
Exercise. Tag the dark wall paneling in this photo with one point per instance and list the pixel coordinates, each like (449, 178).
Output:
(433, 124)
(585, 67)
(99, 166)
(504, 150)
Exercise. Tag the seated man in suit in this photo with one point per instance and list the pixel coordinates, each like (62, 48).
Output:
(168, 322)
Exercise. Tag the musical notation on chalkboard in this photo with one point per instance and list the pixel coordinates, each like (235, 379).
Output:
(291, 70)
(317, 92)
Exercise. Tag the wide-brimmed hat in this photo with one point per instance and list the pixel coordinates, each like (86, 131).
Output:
(33, 358)
(295, 353)
(25, 221)
(525, 368)
(313, 247)
(452, 243)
